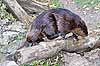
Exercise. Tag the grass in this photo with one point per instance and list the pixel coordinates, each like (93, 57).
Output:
(3, 12)
(56, 4)
(88, 3)
(39, 63)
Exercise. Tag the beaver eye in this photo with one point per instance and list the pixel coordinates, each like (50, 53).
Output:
(29, 39)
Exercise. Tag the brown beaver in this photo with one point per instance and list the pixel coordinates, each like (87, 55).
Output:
(53, 23)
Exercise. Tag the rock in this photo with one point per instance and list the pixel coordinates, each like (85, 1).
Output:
(73, 59)
(8, 63)
(11, 35)
(93, 56)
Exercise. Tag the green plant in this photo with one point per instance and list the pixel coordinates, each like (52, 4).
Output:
(20, 37)
(56, 4)
(56, 65)
(3, 12)
(88, 3)
(39, 63)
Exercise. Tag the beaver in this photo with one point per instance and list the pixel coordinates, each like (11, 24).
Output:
(53, 23)
(69, 22)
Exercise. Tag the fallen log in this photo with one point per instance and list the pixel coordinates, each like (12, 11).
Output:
(18, 11)
(41, 51)
(34, 6)
(48, 49)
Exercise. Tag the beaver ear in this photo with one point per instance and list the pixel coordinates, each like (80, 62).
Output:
(54, 16)
(84, 27)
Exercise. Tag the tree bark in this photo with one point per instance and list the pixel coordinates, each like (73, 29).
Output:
(48, 49)
(32, 7)
(42, 51)
(18, 11)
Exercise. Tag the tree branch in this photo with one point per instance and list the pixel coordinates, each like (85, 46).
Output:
(18, 11)
(31, 6)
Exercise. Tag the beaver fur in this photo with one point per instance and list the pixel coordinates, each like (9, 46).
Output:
(53, 23)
